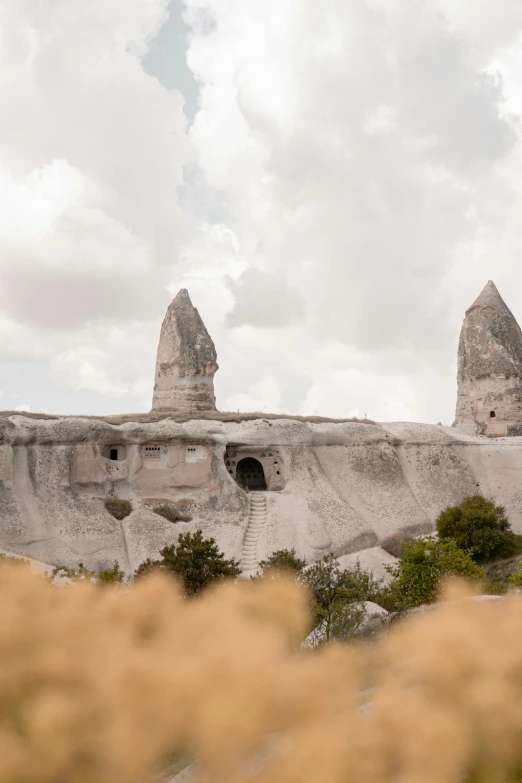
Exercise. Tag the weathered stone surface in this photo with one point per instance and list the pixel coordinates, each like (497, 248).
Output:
(186, 360)
(56, 473)
(489, 398)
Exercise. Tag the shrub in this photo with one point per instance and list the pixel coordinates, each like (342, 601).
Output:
(112, 575)
(147, 567)
(78, 574)
(171, 513)
(283, 560)
(118, 508)
(480, 527)
(425, 562)
(337, 598)
(515, 580)
(395, 543)
(196, 560)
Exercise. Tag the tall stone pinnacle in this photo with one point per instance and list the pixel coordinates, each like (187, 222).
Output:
(186, 361)
(489, 399)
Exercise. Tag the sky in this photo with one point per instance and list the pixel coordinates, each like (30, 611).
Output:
(334, 183)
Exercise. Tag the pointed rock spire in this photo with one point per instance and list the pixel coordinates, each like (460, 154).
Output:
(490, 340)
(186, 360)
(489, 375)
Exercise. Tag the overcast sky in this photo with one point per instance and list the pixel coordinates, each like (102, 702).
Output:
(334, 182)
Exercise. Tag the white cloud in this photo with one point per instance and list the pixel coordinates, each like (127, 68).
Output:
(92, 150)
(262, 396)
(368, 161)
(355, 169)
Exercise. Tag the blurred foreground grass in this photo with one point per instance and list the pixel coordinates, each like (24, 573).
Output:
(100, 685)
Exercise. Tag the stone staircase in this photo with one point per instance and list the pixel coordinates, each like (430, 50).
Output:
(256, 524)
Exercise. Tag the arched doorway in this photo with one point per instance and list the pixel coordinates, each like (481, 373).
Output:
(250, 474)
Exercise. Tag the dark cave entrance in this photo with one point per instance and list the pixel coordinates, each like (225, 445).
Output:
(250, 474)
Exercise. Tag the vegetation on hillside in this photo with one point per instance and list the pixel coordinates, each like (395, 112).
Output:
(418, 574)
(283, 560)
(479, 527)
(172, 513)
(195, 560)
(106, 576)
(118, 508)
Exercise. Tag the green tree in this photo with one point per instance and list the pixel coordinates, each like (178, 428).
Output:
(283, 560)
(480, 527)
(424, 563)
(338, 597)
(197, 561)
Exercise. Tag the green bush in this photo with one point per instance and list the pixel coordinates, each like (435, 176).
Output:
(480, 527)
(395, 543)
(337, 598)
(424, 563)
(515, 580)
(112, 575)
(196, 560)
(118, 508)
(171, 513)
(283, 560)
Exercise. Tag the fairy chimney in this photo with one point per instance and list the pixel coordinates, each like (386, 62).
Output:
(489, 397)
(186, 361)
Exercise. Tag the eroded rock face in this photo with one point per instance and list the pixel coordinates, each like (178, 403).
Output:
(489, 399)
(345, 487)
(186, 361)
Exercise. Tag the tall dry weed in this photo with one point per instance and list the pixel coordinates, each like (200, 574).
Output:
(98, 684)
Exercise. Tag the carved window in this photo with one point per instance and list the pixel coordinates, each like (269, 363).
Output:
(152, 452)
(195, 453)
(115, 453)
(492, 414)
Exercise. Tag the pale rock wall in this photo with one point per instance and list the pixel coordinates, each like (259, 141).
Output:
(347, 486)
(478, 398)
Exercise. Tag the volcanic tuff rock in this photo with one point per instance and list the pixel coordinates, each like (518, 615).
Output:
(344, 487)
(489, 400)
(186, 361)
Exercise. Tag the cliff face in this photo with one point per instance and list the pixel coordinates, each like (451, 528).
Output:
(337, 487)
(186, 361)
(489, 399)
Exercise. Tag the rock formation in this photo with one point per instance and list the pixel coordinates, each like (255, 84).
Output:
(489, 398)
(186, 361)
(344, 487)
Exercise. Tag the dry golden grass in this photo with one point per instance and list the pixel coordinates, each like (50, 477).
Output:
(182, 417)
(98, 684)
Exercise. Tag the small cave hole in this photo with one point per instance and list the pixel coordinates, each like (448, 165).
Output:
(492, 414)
(114, 454)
